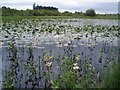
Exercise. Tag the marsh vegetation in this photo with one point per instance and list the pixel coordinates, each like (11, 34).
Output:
(59, 53)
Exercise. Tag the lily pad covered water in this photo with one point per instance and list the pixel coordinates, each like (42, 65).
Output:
(67, 53)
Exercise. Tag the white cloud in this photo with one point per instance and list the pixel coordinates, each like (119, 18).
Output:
(59, 1)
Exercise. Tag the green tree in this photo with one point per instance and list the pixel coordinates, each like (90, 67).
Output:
(66, 13)
(34, 6)
(90, 12)
(78, 14)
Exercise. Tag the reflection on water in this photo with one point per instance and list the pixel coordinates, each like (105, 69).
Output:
(83, 22)
(90, 51)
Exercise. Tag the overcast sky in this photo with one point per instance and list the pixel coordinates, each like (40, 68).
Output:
(100, 6)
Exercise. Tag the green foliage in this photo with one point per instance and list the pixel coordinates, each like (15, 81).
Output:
(6, 11)
(9, 79)
(66, 13)
(112, 79)
(9, 12)
(78, 14)
(13, 12)
(45, 13)
(43, 7)
(70, 75)
(37, 11)
(90, 12)
(18, 18)
(10, 74)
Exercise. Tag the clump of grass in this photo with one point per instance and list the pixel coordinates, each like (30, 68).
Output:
(112, 78)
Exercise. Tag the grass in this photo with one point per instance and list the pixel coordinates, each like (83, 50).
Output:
(112, 79)
(17, 18)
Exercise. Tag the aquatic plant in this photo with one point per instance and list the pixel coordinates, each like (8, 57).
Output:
(76, 69)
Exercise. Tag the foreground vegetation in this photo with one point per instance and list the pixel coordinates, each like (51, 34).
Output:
(73, 72)
(112, 79)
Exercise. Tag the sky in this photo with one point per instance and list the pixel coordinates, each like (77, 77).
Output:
(100, 6)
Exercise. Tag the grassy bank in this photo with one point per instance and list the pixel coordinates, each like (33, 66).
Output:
(17, 18)
(112, 79)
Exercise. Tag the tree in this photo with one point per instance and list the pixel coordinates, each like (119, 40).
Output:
(34, 6)
(66, 13)
(78, 14)
(43, 7)
(90, 12)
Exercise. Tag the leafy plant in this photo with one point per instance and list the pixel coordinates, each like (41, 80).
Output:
(112, 78)
(90, 12)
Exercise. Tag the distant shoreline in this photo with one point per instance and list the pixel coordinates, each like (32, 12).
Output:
(17, 18)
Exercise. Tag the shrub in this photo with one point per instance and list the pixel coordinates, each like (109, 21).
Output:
(90, 12)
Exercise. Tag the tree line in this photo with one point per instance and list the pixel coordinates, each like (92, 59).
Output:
(43, 11)
(43, 7)
(6, 11)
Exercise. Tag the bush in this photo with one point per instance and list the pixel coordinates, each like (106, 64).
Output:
(90, 12)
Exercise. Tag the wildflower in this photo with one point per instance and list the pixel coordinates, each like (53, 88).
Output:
(78, 57)
(75, 64)
(48, 64)
(76, 68)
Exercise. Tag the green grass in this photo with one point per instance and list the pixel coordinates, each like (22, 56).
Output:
(17, 18)
(112, 79)
(14, 18)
